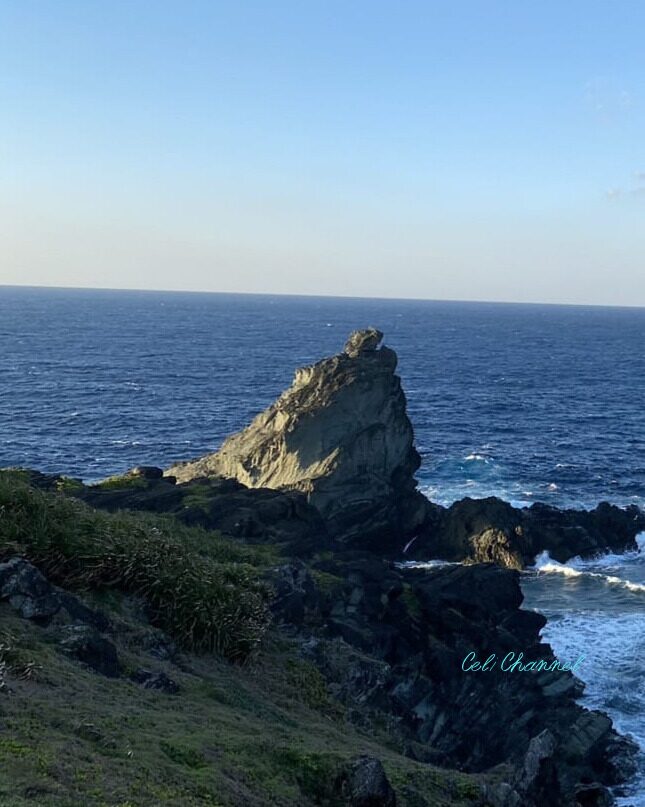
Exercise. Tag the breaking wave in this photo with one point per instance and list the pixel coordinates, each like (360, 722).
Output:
(583, 568)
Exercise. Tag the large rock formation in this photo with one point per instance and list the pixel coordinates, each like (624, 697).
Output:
(395, 647)
(484, 530)
(340, 434)
(341, 438)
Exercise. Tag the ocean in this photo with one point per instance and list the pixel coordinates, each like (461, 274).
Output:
(526, 402)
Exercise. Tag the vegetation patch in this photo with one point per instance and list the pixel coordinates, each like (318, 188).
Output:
(66, 484)
(199, 587)
(315, 773)
(411, 601)
(183, 755)
(307, 681)
(122, 481)
(326, 582)
(14, 661)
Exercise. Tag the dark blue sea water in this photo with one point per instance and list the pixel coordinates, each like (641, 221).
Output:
(525, 402)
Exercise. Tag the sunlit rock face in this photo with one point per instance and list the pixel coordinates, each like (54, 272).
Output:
(341, 435)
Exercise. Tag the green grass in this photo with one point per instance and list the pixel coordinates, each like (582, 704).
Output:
(326, 582)
(411, 601)
(15, 660)
(263, 734)
(233, 736)
(204, 590)
(122, 481)
(66, 484)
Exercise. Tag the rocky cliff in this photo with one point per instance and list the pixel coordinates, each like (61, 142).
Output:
(341, 435)
(378, 650)
(330, 466)
(392, 644)
(341, 439)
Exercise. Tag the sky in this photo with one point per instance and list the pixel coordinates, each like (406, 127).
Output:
(444, 150)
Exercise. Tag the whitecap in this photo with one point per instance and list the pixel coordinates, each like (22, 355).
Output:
(611, 559)
(424, 564)
(612, 645)
(546, 565)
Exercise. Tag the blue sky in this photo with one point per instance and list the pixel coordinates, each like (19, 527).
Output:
(455, 150)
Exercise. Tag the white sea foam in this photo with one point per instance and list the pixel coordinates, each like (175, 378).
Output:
(546, 565)
(614, 649)
(425, 564)
(602, 560)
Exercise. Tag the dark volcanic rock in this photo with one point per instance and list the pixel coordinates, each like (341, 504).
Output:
(330, 466)
(146, 472)
(256, 515)
(392, 645)
(490, 530)
(365, 784)
(155, 680)
(94, 650)
(75, 610)
(159, 645)
(27, 590)
(341, 436)
(293, 591)
(35, 598)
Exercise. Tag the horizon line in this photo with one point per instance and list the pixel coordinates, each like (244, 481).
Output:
(316, 296)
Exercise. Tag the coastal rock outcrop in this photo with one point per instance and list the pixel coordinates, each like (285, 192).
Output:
(491, 530)
(340, 438)
(341, 435)
(397, 647)
(393, 644)
(365, 784)
(35, 598)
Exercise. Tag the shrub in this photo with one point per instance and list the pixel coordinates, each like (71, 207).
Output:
(13, 661)
(122, 481)
(201, 588)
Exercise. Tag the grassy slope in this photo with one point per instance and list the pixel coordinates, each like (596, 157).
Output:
(260, 734)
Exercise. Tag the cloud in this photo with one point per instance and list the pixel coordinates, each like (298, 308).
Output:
(637, 189)
(614, 194)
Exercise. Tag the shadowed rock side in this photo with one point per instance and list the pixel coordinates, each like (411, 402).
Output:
(341, 435)
(391, 644)
(250, 515)
(485, 530)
